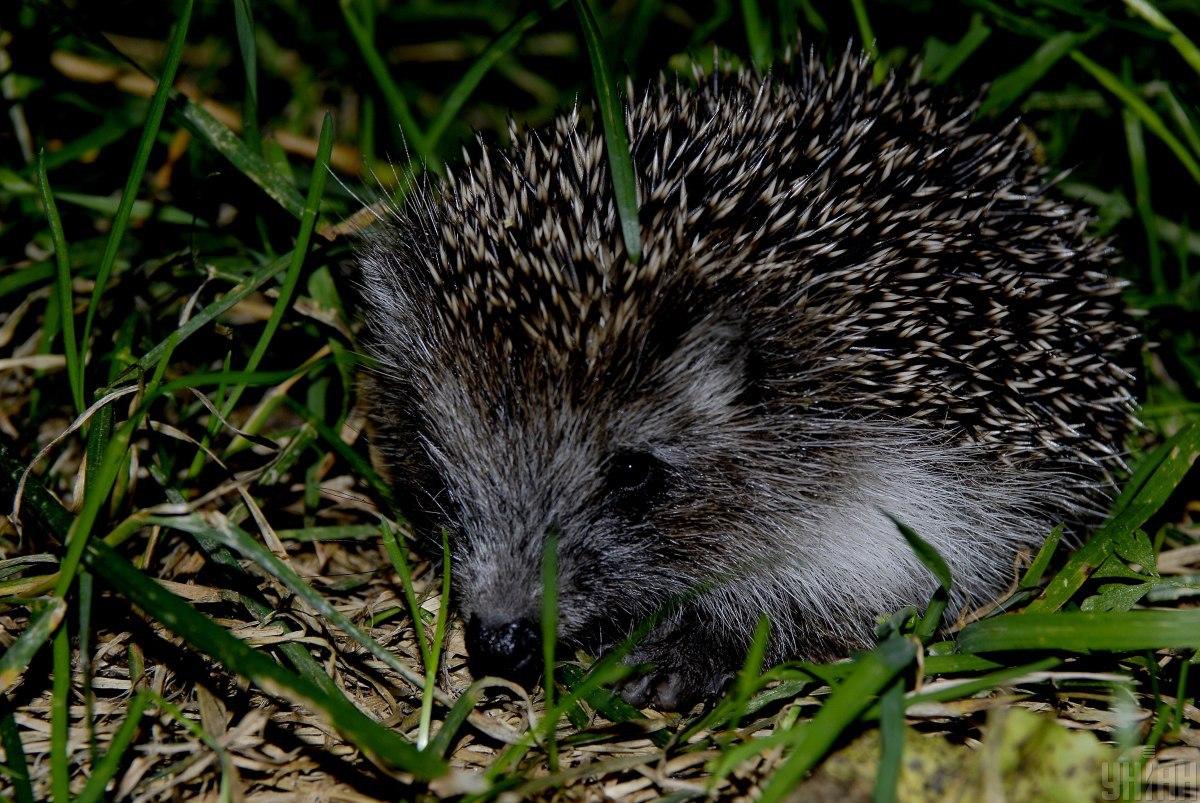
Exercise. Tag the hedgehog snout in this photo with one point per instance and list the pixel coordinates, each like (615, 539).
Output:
(508, 649)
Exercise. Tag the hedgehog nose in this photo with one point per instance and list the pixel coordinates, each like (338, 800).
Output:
(511, 650)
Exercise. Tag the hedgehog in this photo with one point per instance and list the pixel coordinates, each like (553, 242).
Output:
(857, 304)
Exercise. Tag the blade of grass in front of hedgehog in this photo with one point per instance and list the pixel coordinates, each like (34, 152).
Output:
(729, 710)
(1153, 481)
(66, 298)
(396, 552)
(992, 680)
(607, 670)
(891, 742)
(1037, 568)
(141, 158)
(455, 717)
(748, 678)
(758, 35)
(308, 220)
(1142, 109)
(1084, 631)
(811, 739)
(435, 647)
(931, 618)
(616, 138)
(609, 705)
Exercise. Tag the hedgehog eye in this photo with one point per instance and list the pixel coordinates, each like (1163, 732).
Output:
(635, 476)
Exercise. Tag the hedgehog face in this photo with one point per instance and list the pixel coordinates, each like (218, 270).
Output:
(632, 479)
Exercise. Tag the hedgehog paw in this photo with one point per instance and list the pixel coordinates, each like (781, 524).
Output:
(674, 685)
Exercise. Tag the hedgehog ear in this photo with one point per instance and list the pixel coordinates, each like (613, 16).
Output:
(716, 343)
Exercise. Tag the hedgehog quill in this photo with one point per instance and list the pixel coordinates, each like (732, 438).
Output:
(854, 301)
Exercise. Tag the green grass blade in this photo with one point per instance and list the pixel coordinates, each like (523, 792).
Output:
(746, 683)
(240, 292)
(454, 719)
(95, 498)
(925, 552)
(66, 299)
(872, 672)
(867, 35)
(609, 705)
(931, 619)
(1141, 189)
(1033, 575)
(308, 220)
(1084, 631)
(1006, 89)
(758, 35)
(107, 767)
(16, 768)
(435, 648)
(811, 16)
(1186, 47)
(243, 17)
(977, 33)
(1152, 483)
(361, 466)
(85, 607)
(1183, 121)
(891, 739)
(457, 97)
(252, 165)
(396, 551)
(396, 102)
(13, 184)
(18, 655)
(141, 158)
(972, 686)
(1139, 107)
(60, 718)
(616, 138)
